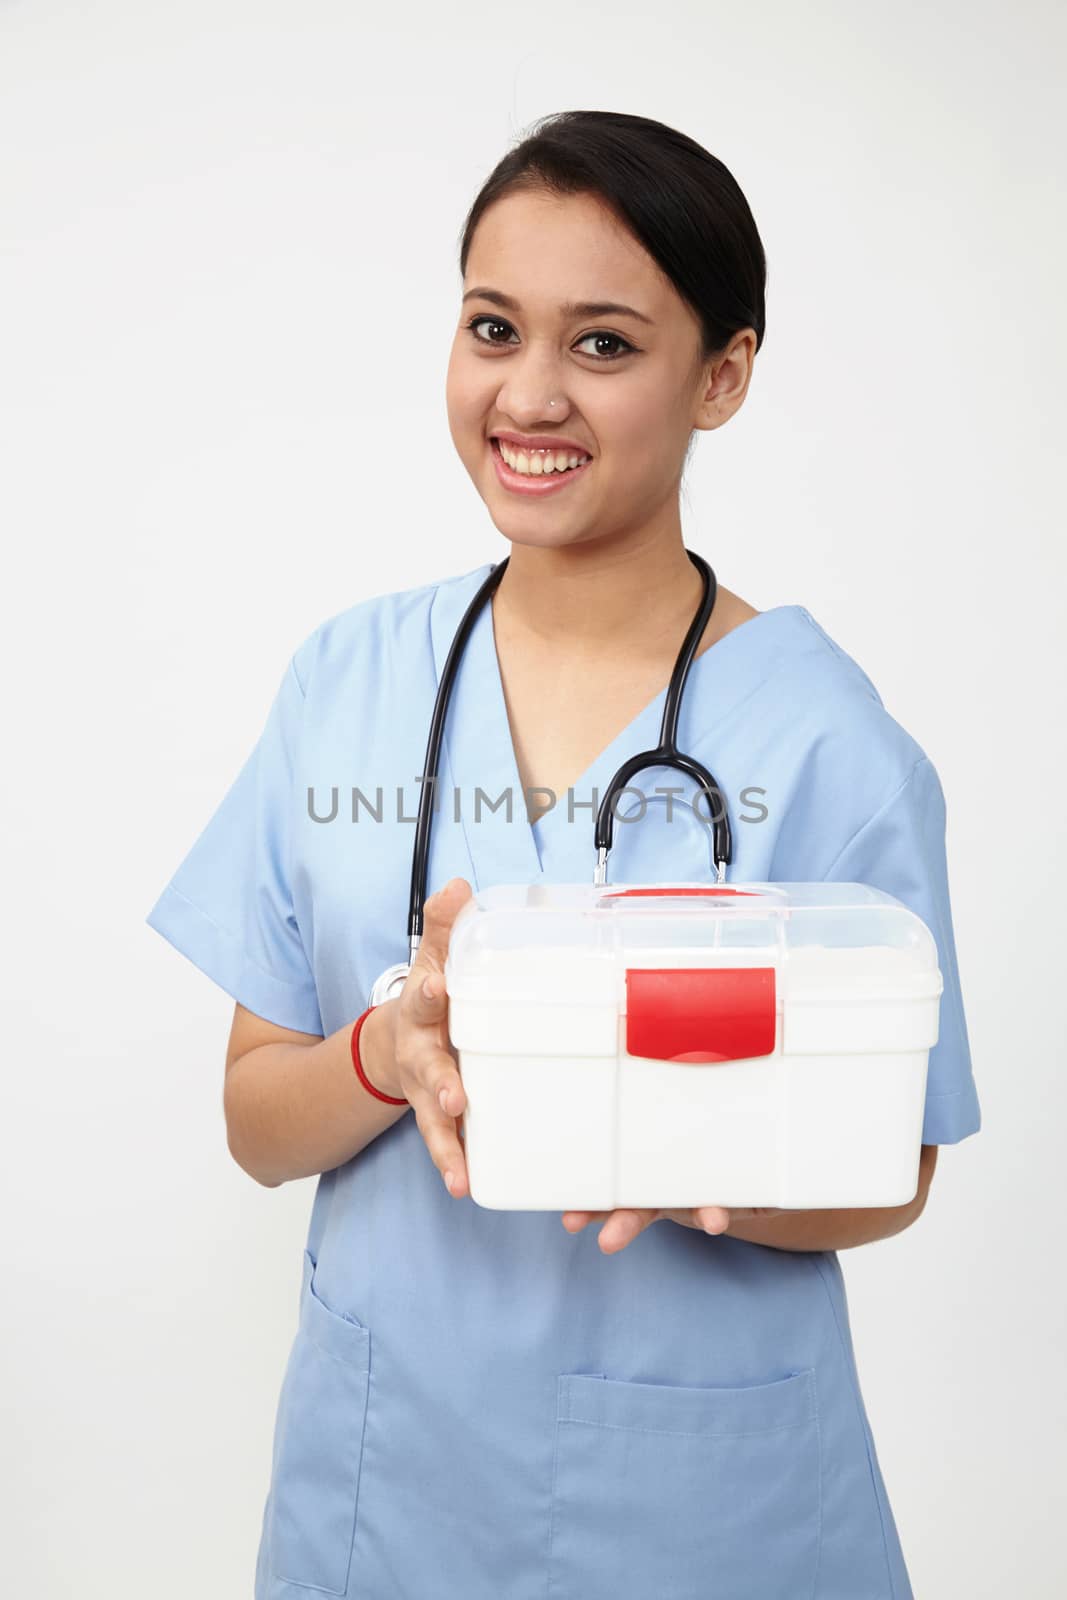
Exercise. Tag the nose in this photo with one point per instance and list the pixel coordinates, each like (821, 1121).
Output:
(533, 394)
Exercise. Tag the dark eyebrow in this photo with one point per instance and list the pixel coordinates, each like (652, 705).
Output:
(570, 309)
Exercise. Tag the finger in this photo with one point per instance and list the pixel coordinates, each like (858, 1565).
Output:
(425, 991)
(438, 914)
(425, 997)
(623, 1227)
(713, 1219)
(440, 1134)
(575, 1221)
(448, 1091)
(444, 1082)
(686, 1218)
(441, 1078)
(446, 1153)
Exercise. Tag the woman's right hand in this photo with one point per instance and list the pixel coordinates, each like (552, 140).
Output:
(425, 1067)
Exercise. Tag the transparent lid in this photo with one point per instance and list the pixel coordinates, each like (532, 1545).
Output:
(575, 935)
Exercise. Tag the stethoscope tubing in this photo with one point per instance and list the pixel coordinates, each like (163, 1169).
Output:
(665, 754)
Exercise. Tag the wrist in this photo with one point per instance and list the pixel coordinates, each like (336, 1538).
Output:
(375, 1046)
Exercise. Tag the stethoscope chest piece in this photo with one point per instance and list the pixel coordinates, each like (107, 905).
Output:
(390, 983)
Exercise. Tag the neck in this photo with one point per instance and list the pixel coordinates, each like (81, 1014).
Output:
(583, 597)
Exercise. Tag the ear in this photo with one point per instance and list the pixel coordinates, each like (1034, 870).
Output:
(728, 375)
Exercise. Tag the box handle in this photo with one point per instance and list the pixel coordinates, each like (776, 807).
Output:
(700, 1014)
(673, 894)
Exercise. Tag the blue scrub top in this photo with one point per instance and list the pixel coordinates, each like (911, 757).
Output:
(476, 1402)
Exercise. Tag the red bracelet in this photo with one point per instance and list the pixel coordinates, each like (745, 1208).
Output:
(389, 1099)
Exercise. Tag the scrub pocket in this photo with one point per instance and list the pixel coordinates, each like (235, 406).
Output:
(318, 1446)
(681, 1493)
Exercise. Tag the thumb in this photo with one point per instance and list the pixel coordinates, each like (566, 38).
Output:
(438, 915)
(426, 978)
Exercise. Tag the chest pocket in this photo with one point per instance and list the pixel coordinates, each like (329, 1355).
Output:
(684, 1492)
(318, 1446)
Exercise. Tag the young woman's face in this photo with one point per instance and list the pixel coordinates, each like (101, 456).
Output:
(626, 383)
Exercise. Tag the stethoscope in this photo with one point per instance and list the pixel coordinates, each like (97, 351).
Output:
(665, 754)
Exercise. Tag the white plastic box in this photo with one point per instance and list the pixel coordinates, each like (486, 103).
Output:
(760, 1044)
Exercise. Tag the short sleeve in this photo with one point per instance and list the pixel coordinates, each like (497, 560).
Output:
(229, 906)
(901, 849)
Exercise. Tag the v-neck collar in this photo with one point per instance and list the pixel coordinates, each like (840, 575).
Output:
(479, 767)
(479, 775)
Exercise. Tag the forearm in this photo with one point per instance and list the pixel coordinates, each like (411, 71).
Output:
(295, 1110)
(825, 1230)
(839, 1229)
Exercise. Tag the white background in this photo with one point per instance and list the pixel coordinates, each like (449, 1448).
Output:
(230, 285)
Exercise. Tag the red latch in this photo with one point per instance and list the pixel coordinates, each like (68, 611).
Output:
(700, 1013)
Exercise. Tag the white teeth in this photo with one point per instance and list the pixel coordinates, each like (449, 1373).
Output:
(537, 462)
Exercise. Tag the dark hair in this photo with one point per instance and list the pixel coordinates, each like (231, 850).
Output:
(683, 204)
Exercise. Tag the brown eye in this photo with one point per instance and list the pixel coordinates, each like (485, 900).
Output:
(498, 322)
(494, 322)
(612, 338)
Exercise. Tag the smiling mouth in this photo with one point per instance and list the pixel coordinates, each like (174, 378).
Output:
(533, 485)
(539, 463)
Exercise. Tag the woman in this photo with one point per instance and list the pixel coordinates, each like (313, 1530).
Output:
(495, 1404)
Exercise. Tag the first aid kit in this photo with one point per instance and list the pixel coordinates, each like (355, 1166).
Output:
(675, 1045)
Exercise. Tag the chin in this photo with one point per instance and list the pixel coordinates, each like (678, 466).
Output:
(546, 539)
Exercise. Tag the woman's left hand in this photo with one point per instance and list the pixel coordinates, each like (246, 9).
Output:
(623, 1225)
